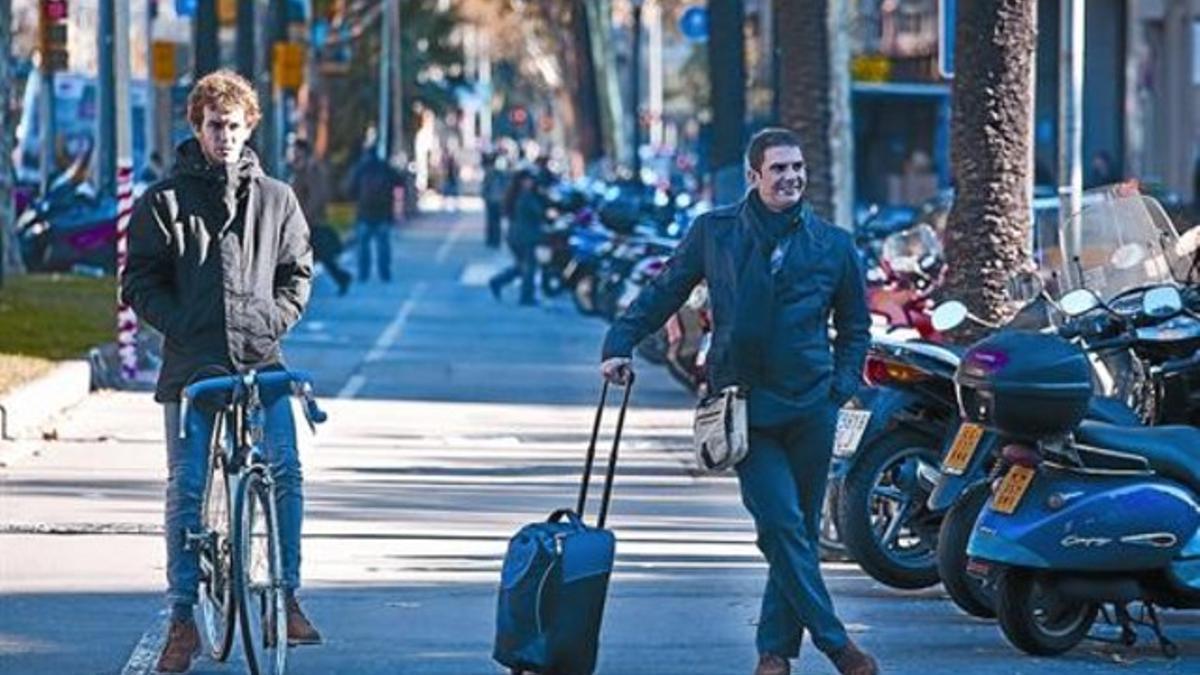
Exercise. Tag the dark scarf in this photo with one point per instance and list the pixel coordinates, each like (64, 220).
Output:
(750, 339)
(230, 182)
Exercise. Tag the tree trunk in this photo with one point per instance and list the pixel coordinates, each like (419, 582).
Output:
(814, 98)
(991, 152)
(727, 75)
(581, 71)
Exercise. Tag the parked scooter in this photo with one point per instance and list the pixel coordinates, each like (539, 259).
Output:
(1088, 514)
(1128, 395)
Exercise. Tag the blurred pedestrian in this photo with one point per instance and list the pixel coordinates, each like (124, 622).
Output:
(776, 275)
(495, 184)
(372, 184)
(450, 185)
(219, 263)
(526, 211)
(310, 180)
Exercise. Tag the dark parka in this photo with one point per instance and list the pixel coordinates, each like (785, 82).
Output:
(820, 276)
(220, 264)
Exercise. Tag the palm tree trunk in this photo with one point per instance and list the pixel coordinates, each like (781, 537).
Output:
(805, 83)
(991, 151)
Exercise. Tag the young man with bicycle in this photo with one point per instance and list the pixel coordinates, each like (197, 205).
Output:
(220, 263)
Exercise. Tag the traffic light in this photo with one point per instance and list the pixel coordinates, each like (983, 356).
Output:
(52, 35)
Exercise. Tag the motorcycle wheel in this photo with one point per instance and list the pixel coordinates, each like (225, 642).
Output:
(552, 281)
(969, 593)
(1035, 619)
(881, 512)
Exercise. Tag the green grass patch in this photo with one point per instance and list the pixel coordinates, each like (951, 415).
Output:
(56, 317)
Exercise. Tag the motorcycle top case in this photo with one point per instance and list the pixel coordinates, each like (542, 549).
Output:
(552, 591)
(1025, 385)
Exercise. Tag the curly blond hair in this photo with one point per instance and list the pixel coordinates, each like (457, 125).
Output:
(223, 90)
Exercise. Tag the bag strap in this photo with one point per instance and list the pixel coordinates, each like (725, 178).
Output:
(612, 457)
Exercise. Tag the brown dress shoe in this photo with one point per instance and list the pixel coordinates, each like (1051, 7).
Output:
(300, 630)
(183, 644)
(772, 664)
(850, 660)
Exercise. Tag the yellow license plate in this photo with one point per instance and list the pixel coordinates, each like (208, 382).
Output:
(962, 449)
(1012, 489)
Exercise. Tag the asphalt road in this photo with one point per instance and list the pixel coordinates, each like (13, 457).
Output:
(454, 420)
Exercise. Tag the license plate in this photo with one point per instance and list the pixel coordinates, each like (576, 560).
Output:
(544, 254)
(851, 426)
(962, 449)
(1012, 489)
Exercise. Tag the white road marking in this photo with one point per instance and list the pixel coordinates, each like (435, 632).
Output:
(392, 333)
(353, 385)
(456, 233)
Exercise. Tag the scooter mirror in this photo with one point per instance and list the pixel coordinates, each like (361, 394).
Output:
(1079, 302)
(949, 315)
(1162, 302)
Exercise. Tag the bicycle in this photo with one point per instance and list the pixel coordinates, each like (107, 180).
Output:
(238, 544)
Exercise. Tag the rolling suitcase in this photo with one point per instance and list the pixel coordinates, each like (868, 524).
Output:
(555, 579)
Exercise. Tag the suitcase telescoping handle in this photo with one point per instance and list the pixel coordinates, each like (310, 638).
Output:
(612, 457)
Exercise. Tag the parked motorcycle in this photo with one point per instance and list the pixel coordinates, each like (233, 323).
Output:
(1128, 396)
(1087, 514)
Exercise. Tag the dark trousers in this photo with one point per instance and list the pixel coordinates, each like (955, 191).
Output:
(524, 267)
(783, 486)
(492, 213)
(380, 234)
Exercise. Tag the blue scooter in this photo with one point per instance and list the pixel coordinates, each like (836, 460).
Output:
(1087, 514)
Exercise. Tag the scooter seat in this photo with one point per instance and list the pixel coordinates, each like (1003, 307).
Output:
(1173, 451)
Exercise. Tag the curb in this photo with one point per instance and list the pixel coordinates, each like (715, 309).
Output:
(32, 405)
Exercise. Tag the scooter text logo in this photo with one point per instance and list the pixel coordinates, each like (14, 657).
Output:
(1075, 541)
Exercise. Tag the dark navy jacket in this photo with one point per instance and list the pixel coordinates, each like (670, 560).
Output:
(820, 277)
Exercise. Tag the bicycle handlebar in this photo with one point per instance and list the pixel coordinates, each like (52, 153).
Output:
(302, 388)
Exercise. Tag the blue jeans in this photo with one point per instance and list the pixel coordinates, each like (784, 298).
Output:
(187, 464)
(381, 234)
(783, 486)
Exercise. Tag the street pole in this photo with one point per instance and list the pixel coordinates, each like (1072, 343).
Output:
(383, 128)
(6, 168)
(117, 12)
(246, 63)
(654, 35)
(106, 133)
(395, 68)
(46, 108)
(635, 90)
(1070, 110)
(485, 85)
(149, 116)
(204, 39)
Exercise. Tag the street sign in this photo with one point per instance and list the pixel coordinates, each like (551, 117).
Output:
(693, 23)
(947, 11)
(287, 63)
(186, 8)
(163, 56)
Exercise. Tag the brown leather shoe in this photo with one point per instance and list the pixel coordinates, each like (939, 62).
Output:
(773, 664)
(183, 644)
(300, 630)
(850, 660)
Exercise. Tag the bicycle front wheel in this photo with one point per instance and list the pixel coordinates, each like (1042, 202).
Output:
(216, 588)
(259, 577)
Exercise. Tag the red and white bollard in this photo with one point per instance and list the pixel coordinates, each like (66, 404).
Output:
(127, 323)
